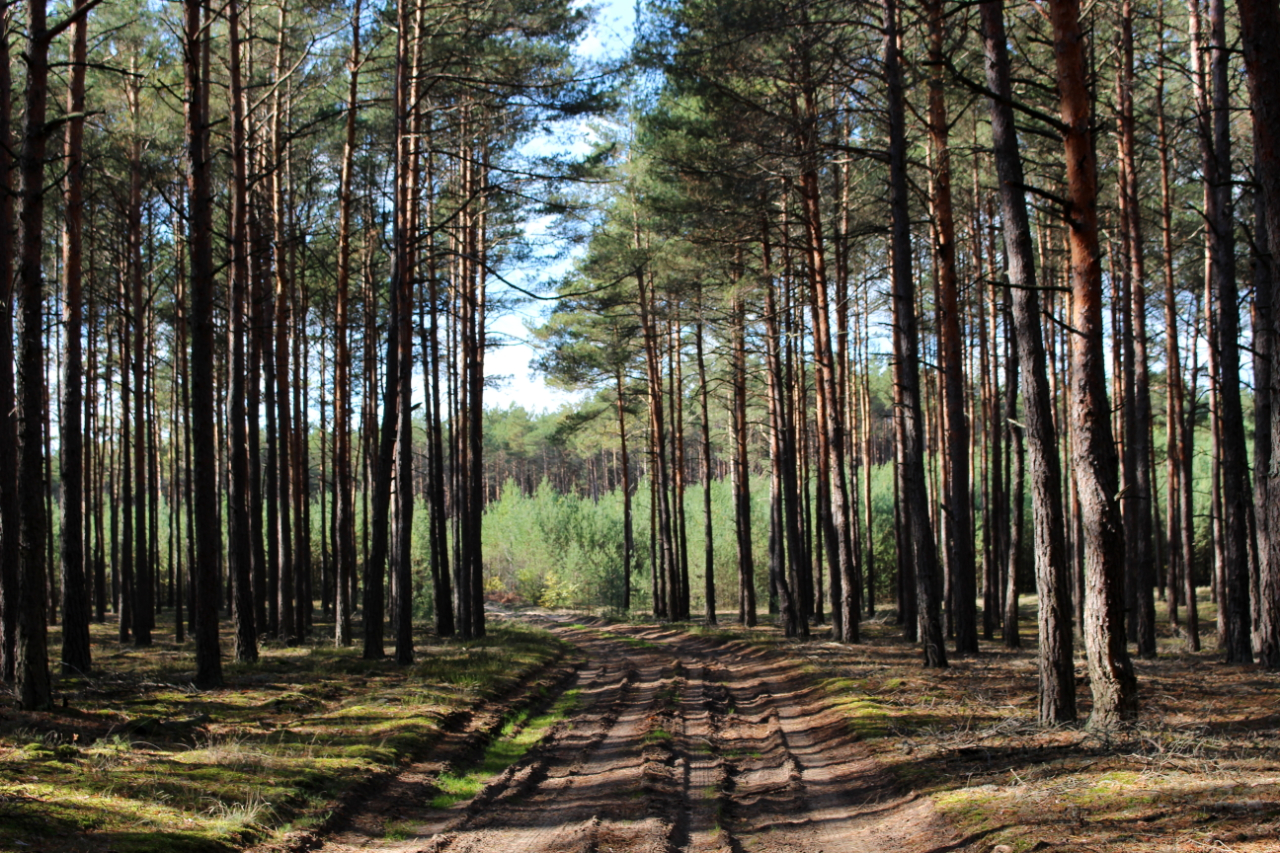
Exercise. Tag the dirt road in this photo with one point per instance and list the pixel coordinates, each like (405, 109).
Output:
(676, 743)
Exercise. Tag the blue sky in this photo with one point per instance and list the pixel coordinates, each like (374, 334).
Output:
(609, 36)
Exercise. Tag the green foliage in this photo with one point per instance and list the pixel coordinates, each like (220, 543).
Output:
(557, 550)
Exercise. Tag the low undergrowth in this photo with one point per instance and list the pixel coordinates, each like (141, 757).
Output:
(135, 760)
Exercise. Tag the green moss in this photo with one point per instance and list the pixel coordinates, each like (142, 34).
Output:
(183, 770)
(517, 735)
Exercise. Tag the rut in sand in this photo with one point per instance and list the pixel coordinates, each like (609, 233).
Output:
(671, 743)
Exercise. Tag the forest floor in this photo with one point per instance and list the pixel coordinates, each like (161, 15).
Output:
(134, 760)
(629, 736)
(1198, 771)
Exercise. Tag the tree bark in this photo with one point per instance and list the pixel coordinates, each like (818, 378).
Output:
(958, 511)
(240, 533)
(742, 467)
(1178, 560)
(445, 623)
(709, 553)
(1057, 676)
(142, 603)
(10, 511)
(343, 498)
(34, 689)
(1234, 464)
(1137, 514)
(1260, 32)
(1093, 451)
(285, 485)
(917, 536)
(628, 532)
(402, 331)
(76, 656)
(204, 443)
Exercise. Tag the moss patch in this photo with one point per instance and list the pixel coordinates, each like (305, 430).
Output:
(138, 761)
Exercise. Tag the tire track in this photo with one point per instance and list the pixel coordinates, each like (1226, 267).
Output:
(681, 745)
(591, 786)
(507, 802)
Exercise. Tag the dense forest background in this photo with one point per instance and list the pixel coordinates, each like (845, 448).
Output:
(908, 306)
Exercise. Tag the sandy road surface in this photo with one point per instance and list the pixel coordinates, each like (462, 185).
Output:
(676, 744)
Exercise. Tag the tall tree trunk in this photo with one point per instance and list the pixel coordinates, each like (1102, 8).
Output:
(76, 656)
(742, 466)
(709, 554)
(1053, 573)
(184, 384)
(958, 511)
(401, 330)
(375, 565)
(34, 688)
(1093, 451)
(444, 591)
(288, 630)
(1234, 604)
(628, 525)
(204, 443)
(796, 574)
(1263, 400)
(676, 374)
(917, 540)
(125, 567)
(10, 510)
(476, 316)
(1260, 31)
(343, 497)
(1178, 561)
(1137, 515)
(657, 439)
(846, 587)
(1015, 494)
(1186, 449)
(239, 530)
(143, 616)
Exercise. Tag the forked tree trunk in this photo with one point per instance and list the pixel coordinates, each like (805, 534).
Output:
(792, 575)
